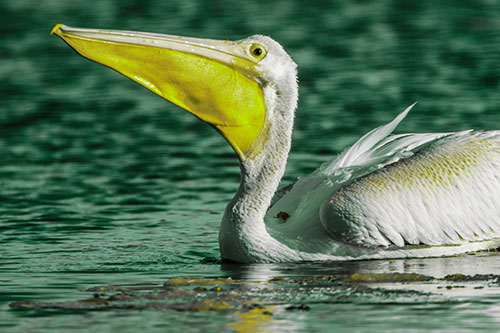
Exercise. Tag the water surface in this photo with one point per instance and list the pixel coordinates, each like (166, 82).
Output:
(104, 183)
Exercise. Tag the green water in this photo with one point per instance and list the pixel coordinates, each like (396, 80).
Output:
(102, 182)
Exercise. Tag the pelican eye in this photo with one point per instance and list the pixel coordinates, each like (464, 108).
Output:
(257, 51)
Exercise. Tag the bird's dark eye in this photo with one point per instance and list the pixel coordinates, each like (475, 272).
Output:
(257, 51)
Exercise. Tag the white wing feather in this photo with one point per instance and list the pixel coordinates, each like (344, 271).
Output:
(446, 194)
(341, 180)
(378, 146)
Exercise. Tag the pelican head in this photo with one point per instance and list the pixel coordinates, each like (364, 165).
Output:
(233, 86)
(247, 90)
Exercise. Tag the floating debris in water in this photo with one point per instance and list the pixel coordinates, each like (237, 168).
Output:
(254, 299)
(301, 307)
(390, 277)
(469, 278)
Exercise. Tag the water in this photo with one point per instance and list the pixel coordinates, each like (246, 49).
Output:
(103, 183)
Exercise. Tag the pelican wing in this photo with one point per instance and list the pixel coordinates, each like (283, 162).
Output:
(372, 152)
(386, 190)
(448, 193)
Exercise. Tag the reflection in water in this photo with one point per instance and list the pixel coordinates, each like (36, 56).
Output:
(257, 320)
(471, 264)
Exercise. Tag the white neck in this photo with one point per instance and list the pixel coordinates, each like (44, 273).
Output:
(243, 236)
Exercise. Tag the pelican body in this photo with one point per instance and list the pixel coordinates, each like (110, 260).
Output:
(386, 196)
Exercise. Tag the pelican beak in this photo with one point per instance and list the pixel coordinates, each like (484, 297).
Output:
(217, 81)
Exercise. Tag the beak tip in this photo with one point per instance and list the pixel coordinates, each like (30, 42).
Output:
(55, 29)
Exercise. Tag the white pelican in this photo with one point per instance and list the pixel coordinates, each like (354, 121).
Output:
(387, 196)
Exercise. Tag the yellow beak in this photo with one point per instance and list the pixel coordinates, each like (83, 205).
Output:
(217, 81)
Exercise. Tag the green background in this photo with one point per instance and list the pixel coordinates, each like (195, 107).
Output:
(102, 182)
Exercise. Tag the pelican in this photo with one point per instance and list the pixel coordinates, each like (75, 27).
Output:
(386, 196)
